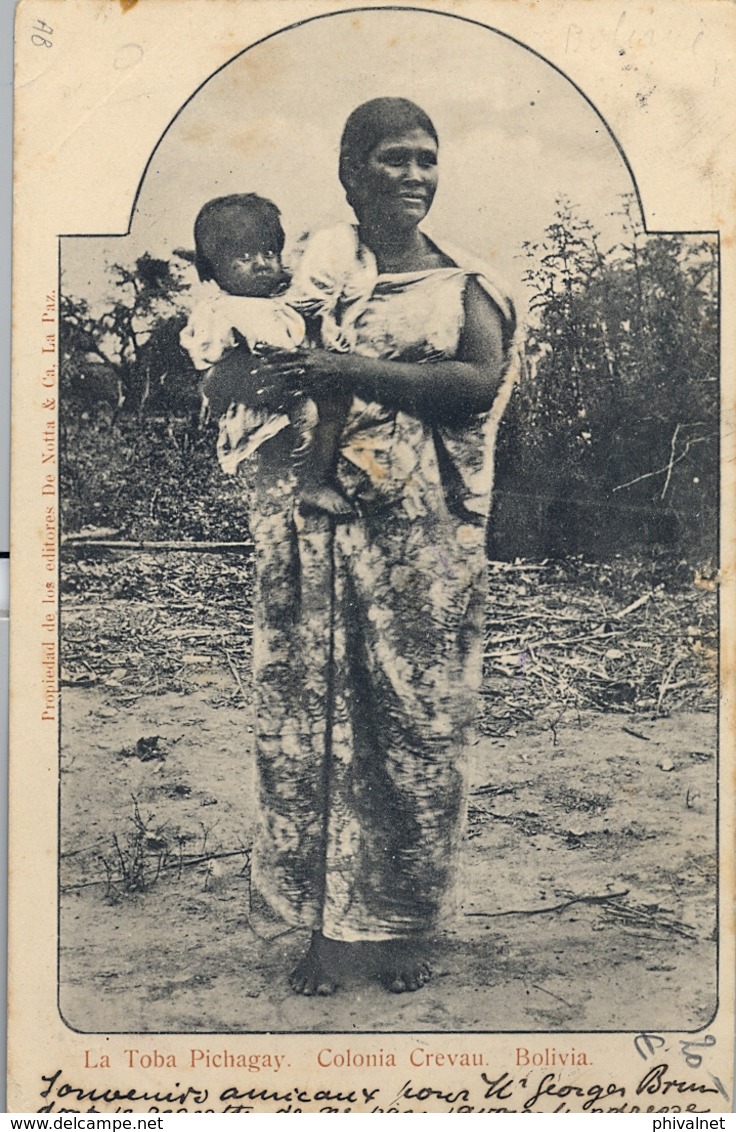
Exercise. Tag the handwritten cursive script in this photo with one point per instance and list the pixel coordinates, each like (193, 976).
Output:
(658, 1090)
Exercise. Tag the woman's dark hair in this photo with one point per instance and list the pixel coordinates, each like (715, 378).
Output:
(213, 227)
(369, 124)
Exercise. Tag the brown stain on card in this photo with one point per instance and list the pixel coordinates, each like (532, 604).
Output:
(126, 5)
(197, 132)
(250, 142)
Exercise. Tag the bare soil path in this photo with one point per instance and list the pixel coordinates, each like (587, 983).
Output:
(589, 901)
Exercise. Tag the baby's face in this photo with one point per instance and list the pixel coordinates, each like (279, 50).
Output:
(249, 265)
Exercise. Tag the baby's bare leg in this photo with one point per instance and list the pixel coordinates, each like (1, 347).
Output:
(319, 491)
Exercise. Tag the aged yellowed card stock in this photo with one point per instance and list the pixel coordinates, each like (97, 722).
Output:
(329, 792)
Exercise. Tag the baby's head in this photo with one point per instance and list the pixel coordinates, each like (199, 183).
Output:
(238, 241)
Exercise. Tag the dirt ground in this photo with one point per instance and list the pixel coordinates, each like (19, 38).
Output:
(589, 901)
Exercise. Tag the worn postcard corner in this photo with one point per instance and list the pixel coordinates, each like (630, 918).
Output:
(372, 544)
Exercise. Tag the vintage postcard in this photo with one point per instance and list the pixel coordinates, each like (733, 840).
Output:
(372, 538)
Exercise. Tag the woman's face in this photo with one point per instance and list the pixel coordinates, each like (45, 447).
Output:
(397, 183)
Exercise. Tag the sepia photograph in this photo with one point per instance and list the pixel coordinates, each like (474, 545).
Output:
(374, 458)
(340, 716)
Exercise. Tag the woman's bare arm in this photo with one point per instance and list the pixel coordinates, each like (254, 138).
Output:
(439, 390)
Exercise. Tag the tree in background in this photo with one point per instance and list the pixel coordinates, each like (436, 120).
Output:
(128, 355)
(134, 457)
(609, 446)
(611, 440)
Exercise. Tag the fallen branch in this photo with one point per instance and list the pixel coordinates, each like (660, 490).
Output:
(640, 918)
(636, 734)
(236, 674)
(179, 863)
(549, 642)
(490, 791)
(505, 567)
(554, 907)
(634, 605)
(666, 683)
(551, 994)
(84, 541)
(596, 675)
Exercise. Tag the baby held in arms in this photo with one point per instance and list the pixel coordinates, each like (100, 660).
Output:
(238, 243)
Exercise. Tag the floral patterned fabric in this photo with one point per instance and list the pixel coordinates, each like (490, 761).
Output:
(368, 646)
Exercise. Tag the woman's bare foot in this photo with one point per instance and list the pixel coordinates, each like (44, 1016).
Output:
(403, 968)
(314, 973)
(322, 497)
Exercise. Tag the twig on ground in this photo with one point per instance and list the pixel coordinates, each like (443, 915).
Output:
(507, 567)
(85, 542)
(634, 605)
(636, 734)
(179, 863)
(236, 674)
(552, 995)
(603, 899)
(640, 917)
(490, 791)
(666, 683)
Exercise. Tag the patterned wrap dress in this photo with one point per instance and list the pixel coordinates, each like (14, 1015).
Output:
(368, 633)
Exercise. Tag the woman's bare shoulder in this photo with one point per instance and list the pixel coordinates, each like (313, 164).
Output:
(480, 304)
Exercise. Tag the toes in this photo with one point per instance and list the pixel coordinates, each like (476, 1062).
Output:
(311, 980)
(318, 984)
(297, 982)
(418, 978)
(301, 984)
(398, 982)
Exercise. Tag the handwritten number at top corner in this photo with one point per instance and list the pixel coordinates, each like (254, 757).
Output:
(41, 34)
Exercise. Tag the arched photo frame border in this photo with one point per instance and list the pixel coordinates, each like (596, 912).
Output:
(715, 234)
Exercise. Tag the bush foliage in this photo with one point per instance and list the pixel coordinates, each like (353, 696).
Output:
(610, 443)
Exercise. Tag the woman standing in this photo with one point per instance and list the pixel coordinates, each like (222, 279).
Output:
(368, 632)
